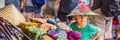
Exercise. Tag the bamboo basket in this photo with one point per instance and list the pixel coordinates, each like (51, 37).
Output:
(12, 14)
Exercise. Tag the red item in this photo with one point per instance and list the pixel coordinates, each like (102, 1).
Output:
(115, 22)
(83, 8)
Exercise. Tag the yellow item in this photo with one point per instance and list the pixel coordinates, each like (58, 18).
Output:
(27, 24)
(47, 26)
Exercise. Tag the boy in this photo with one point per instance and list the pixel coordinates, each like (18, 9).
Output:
(81, 14)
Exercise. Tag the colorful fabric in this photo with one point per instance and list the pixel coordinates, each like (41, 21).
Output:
(54, 21)
(38, 20)
(57, 33)
(86, 32)
(39, 32)
(61, 38)
(64, 26)
(27, 24)
(47, 26)
(73, 35)
(81, 9)
(46, 37)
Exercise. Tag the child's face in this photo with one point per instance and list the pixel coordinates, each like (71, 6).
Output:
(81, 18)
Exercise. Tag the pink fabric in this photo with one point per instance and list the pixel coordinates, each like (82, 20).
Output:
(73, 35)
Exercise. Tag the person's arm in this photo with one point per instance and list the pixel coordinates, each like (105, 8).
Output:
(22, 4)
(56, 4)
(79, 1)
(90, 4)
(94, 37)
(42, 9)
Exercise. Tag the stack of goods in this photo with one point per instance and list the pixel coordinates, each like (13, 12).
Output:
(58, 34)
(10, 32)
(37, 29)
(40, 29)
(9, 20)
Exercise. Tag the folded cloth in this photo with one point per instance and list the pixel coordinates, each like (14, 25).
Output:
(61, 38)
(25, 25)
(52, 21)
(46, 37)
(47, 26)
(57, 33)
(38, 31)
(73, 35)
(64, 26)
(38, 20)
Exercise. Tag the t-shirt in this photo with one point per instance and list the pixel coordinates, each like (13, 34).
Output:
(87, 2)
(29, 3)
(67, 6)
(86, 32)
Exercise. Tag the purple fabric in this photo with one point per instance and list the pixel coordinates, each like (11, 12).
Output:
(73, 35)
(53, 33)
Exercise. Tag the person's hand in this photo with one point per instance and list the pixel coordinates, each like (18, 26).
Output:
(22, 7)
(43, 7)
(89, 6)
(56, 8)
(79, 1)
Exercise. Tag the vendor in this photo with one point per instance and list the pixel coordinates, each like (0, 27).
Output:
(81, 14)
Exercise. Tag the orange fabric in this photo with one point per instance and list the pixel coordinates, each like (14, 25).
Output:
(38, 20)
(46, 37)
(47, 26)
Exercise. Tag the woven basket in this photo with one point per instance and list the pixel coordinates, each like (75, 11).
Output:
(12, 14)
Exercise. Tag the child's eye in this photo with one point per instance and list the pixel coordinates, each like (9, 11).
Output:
(85, 15)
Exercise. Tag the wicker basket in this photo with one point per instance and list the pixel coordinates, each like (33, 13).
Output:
(12, 14)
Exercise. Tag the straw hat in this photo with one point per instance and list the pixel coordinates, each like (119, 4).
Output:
(12, 14)
(81, 9)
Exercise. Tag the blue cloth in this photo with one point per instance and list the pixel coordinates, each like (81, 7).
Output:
(3, 36)
(29, 9)
(37, 10)
(39, 2)
(57, 33)
(14, 2)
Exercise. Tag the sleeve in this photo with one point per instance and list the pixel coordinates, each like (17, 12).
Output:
(71, 25)
(93, 29)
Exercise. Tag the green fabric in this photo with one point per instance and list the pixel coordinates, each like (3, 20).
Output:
(61, 39)
(38, 32)
(86, 32)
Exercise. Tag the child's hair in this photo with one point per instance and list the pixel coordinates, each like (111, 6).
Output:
(71, 18)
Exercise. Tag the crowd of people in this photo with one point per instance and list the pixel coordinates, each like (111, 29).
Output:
(93, 18)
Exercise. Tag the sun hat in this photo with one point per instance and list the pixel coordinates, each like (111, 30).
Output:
(81, 9)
